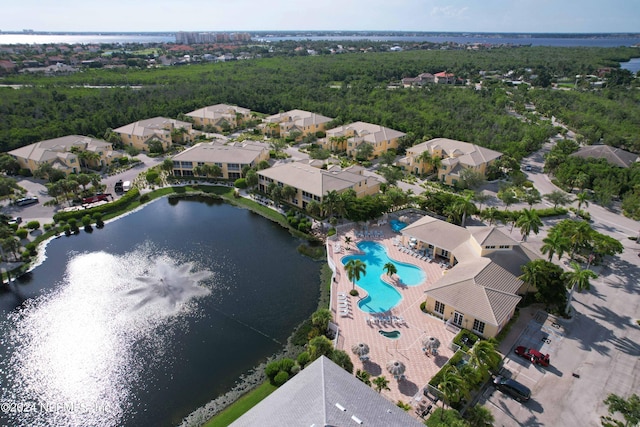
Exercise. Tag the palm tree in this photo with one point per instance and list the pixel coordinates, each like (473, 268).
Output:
(555, 243)
(479, 416)
(452, 386)
(484, 355)
(528, 221)
(321, 318)
(330, 201)
(583, 199)
(463, 206)
(493, 215)
(288, 192)
(580, 235)
(390, 268)
(481, 198)
(364, 376)
(532, 274)
(381, 383)
(355, 268)
(578, 278)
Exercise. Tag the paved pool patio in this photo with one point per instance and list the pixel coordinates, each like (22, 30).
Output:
(357, 326)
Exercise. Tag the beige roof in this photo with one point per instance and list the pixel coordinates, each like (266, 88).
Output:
(219, 152)
(218, 111)
(369, 132)
(316, 181)
(436, 232)
(490, 236)
(299, 118)
(151, 126)
(615, 156)
(58, 147)
(465, 152)
(481, 289)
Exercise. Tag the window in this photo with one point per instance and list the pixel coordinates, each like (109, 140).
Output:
(490, 247)
(505, 246)
(439, 308)
(478, 326)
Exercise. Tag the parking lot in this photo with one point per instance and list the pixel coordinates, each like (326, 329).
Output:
(545, 334)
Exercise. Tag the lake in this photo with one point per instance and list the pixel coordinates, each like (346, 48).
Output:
(632, 65)
(144, 321)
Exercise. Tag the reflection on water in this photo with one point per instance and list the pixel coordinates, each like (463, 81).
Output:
(71, 352)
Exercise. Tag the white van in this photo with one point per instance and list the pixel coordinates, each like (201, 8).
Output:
(126, 186)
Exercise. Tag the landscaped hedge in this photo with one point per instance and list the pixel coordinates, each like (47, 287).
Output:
(437, 378)
(459, 339)
(120, 204)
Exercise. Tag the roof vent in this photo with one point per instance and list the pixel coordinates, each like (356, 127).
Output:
(339, 406)
(356, 419)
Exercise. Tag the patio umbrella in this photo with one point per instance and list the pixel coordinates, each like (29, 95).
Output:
(396, 368)
(431, 343)
(361, 349)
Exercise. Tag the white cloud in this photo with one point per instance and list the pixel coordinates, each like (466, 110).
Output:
(449, 11)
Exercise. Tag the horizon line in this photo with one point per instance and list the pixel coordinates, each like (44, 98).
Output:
(97, 32)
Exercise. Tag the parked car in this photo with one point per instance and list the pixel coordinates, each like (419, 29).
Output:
(26, 201)
(15, 221)
(533, 355)
(96, 198)
(527, 168)
(512, 388)
(118, 187)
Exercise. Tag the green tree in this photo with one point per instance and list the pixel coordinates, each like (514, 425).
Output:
(364, 376)
(388, 157)
(508, 197)
(578, 278)
(391, 174)
(555, 244)
(479, 416)
(481, 198)
(531, 197)
(167, 165)
(342, 359)
(452, 386)
(321, 318)
(463, 206)
(381, 383)
(319, 346)
(363, 151)
(484, 356)
(558, 197)
(390, 268)
(528, 221)
(583, 199)
(628, 408)
(355, 269)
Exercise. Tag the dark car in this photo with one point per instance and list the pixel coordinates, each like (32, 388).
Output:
(26, 201)
(118, 187)
(533, 355)
(513, 388)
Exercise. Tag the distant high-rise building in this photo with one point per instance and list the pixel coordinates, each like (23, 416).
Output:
(195, 37)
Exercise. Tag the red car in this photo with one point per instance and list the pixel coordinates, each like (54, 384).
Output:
(534, 355)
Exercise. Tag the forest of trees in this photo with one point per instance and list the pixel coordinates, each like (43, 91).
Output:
(348, 87)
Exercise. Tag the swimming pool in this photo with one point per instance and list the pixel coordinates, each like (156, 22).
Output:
(397, 225)
(382, 296)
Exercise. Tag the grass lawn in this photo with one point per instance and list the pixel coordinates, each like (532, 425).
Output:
(242, 405)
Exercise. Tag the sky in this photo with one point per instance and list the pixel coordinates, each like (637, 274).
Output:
(525, 16)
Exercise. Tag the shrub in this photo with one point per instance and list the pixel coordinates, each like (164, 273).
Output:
(31, 247)
(353, 292)
(25, 255)
(33, 225)
(240, 183)
(144, 198)
(331, 232)
(303, 359)
(281, 378)
(47, 227)
(471, 338)
(67, 229)
(22, 233)
(286, 365)
(272, 369)
(86, 220)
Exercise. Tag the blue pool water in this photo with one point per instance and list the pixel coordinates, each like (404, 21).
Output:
(382, 296)
(397, 225)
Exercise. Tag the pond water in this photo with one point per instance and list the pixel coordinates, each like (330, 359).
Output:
(151, 317)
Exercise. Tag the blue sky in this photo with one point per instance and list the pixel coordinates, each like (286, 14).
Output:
(534, 16)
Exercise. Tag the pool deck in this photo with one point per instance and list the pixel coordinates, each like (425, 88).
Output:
(356, 328)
